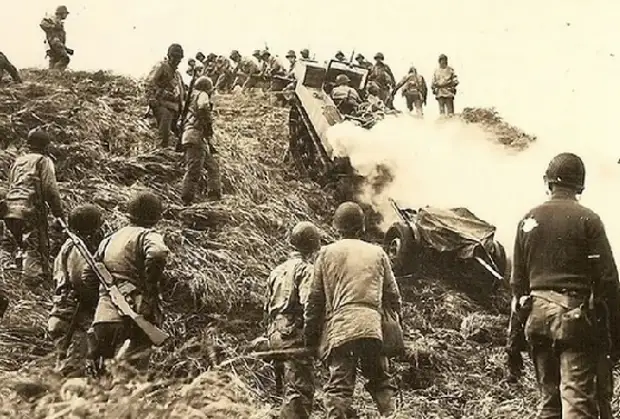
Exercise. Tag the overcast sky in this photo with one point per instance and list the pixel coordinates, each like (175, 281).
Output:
(530, 58)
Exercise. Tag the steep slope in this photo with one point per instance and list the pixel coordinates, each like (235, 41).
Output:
(221, 255)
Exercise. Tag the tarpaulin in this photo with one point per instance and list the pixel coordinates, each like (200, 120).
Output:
(453, 230)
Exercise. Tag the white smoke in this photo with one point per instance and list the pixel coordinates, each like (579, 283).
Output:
(449, 163)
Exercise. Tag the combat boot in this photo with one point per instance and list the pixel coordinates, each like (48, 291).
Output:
(385, 402)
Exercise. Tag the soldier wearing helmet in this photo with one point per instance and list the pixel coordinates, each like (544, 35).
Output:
(305, 55)
(361, 61)
(381, 73)
(222, 75)
(287, 293)
(353, 286)
(74, 303)
(373, 101)
(344, 96)
(32, 187)
(415, 91)
(247, 70)
(165, 92)
(197, 143)
(563, 263)
(135, 256)
(56, 39)
(5, 65)
(444, 86)
(340, 56)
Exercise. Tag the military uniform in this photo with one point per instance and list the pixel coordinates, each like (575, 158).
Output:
(345, 98)
(196, 142)
(444, 88)
(554, 248)
(165, 94)
(56, 39)
(136, 257)
(382, 74)
(287, 294)
(414, 91)
(223, 74)
(353, 283)
(247, 74)
(5, 65)
(32, 184)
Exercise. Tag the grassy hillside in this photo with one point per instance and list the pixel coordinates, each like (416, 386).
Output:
(221, 255)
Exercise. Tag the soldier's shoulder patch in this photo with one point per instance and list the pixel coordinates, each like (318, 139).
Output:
(529, 224)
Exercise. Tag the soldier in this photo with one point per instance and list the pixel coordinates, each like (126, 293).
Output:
(563, 260)
(196, 140)
(56, 39)
(224, 73)
(415, 91)
(209, 67)
(5, 65)
(247, 71)
(292, 59)
(382, 74)
(361, 61)
(32, 186)
(305, 55)
(340, 56)
(444, 86)
(287, 294)
(166, 92)
(136, 256)
(193, 70)
(74, 304)
(353, 284)
(344, 96)
(374, 101)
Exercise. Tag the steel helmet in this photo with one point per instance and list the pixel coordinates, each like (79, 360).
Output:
(175, 50)
(204, 84)
(305, 237)
(342, 79)
(290, 54)
(256, 53)
(412, 70)
(145, 209)
(349, 218)
(62, 10)
(200, 56)
(265, 54)
(566, 169)
(359, 57)
(85, 219)
(443, 57)
(38, 138)
(340, 54)
(379, 56)
(234, 54)
(305, 53)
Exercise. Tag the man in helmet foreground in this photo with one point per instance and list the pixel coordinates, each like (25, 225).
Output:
(381, 73)
(165, 92)
(32, 187)
(353, 284)
(73, 303)
(246, 72)
(136, 256)
(563, 260)
(56, 38)
(196, 141)
(287, 294)
(344, 96)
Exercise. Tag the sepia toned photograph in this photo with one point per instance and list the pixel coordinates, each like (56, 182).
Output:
(309, 209)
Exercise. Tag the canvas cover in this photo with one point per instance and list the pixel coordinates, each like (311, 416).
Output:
(453, 230)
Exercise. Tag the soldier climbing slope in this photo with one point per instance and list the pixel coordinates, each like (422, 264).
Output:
(223, 72)
(247, 71)
(382, 74)
(135, 256)
(165, 92)
(444, 86)
(197, 144)
(5, 65)
(415, 91)
(32, 186)
(563, 261)
(56, 39)
(344, 96)
(73, 303)
(287, 294)
(353, 286)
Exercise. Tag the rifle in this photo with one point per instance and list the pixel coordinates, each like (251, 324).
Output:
(156, 335)
(519, 312)
(352, 56)
(184, 112)
(273, 355)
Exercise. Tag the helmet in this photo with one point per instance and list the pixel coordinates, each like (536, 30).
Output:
(85, 219)
(412, 69)
(233, 55)
(256, 53)
(342, 79)
(62, 10)
(305, 53)
(379, 56)
(200, 56)
(175, 50)
(566, 169)
(360, 57)
(340, 54)
(290, 54)
(443, 57)
(38, 138)
(212, 56)
(349, 218)
(204, 84)
(265, 53)
(145, 208)
(305, 237)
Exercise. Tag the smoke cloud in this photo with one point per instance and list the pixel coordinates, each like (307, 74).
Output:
(449, 163)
